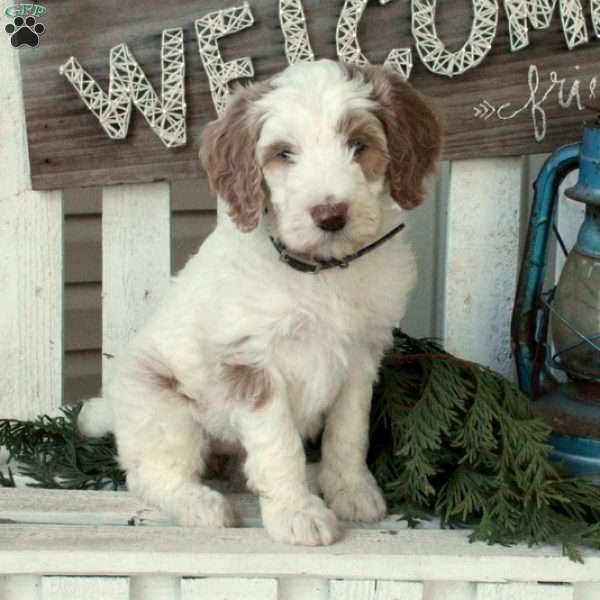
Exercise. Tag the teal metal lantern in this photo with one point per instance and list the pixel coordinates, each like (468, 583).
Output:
(560, 329)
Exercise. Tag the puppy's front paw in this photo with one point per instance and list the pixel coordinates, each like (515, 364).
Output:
(305, 521)
(206, 508)
(356, 498)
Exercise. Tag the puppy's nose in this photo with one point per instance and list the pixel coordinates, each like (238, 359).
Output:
(330, 217)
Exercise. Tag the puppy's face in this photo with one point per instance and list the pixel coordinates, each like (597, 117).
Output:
(324, 157)
(322, 145)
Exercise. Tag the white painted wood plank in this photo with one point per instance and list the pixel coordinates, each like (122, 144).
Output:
(30, 303)
(450, 590)
(82, 507)
(344, 589)
(482, 256)
(85, 588)
(340, 589)
(72, 506)
(586, 591)
(410, 555)
(20, 587)
(303, 588)
(231, 588)
(441, 243)
(154, 587)
(136, 260)
(523, 591)
(399, 590)
(31, 271)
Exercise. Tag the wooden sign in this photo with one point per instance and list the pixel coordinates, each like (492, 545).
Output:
(118, 91)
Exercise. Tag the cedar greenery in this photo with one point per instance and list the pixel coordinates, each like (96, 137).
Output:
(454, 439)
(449, 438)
(52, 453)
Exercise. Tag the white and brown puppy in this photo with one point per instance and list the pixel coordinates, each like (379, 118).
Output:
(246, 351)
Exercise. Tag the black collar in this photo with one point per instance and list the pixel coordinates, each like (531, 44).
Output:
(319, 264)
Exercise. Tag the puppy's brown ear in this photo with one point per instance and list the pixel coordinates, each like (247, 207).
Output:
(414, 134)
(227, 154)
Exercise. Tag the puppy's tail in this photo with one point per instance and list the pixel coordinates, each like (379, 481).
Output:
(95, 418)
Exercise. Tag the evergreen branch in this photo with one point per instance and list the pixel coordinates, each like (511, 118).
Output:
(465, 445)
(449, 438)
(7, 481)
(53, 453)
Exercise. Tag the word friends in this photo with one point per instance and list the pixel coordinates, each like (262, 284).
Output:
(567, 95)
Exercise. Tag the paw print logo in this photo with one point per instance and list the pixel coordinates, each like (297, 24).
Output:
(25, 31)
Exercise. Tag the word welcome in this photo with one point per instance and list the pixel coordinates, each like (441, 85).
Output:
(166, 115)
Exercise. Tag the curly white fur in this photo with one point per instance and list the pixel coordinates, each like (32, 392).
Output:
(246, 351)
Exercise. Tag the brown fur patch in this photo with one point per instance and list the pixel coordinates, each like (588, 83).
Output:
(227, 154)
(248, 384)
(165, 382)
(367, 129)
(163, 378)
(414, 134)
(412, 128)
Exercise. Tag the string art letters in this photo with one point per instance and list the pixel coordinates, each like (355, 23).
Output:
(128, 84)
(166, 115)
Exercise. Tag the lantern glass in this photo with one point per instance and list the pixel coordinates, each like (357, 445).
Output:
(575, 319)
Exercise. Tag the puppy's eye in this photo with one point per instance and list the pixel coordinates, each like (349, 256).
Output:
(286, 154)
(357, 146)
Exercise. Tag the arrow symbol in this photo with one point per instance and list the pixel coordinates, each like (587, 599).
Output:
(484, 110)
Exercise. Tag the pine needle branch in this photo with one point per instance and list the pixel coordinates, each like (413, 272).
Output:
(449, 438)
(454, 438)
(53, 453)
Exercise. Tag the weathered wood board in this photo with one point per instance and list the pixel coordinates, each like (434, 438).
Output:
(68, 147)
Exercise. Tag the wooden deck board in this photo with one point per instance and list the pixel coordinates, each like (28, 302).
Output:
(409, 555)
(79, 532)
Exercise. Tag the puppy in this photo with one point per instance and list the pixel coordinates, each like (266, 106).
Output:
(254, 352)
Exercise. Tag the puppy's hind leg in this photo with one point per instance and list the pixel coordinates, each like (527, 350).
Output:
(163, 450)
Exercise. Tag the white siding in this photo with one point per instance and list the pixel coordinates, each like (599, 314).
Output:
(136, 261)
(482, 256)
(31, 267)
